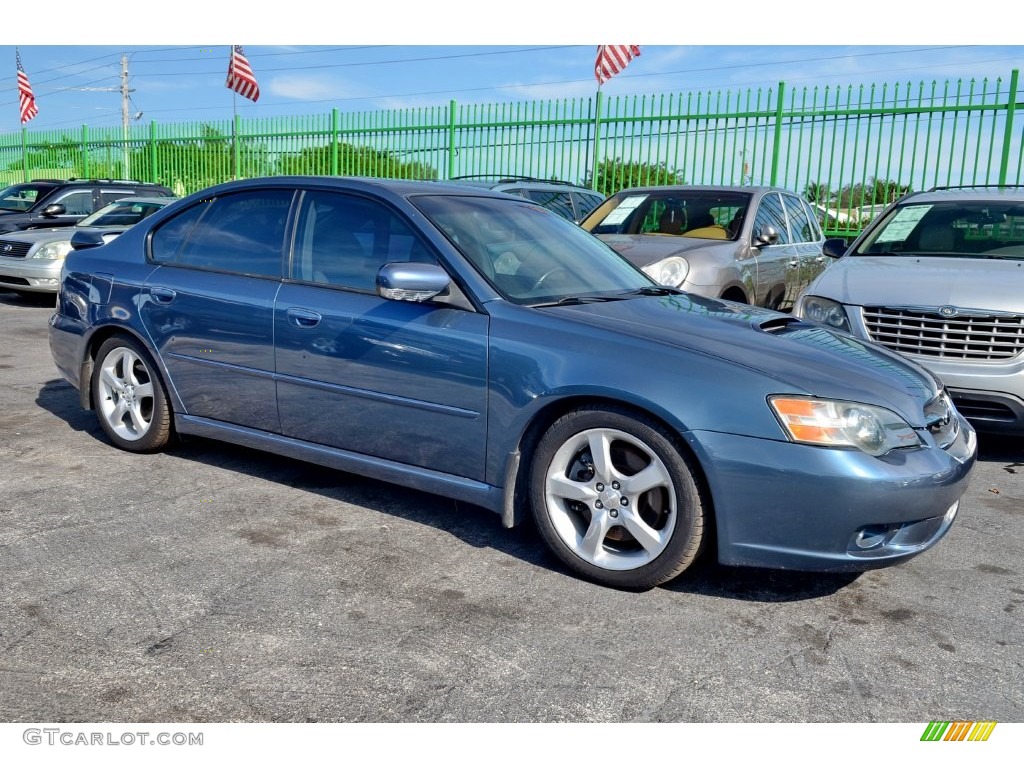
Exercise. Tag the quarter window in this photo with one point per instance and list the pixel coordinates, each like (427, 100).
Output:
(802, 226)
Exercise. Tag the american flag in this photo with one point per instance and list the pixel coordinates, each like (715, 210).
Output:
(240, 76)
(26, 99)
(612, 59)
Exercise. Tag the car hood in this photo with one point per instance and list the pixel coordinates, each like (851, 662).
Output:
(802, 357)
(41, 235)
(924, 281)
(641, 250)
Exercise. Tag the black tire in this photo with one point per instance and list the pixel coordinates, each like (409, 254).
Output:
(130, 400)
(629, 514)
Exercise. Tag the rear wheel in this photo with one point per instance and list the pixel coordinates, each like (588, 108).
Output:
(129, 398)
(615, 498)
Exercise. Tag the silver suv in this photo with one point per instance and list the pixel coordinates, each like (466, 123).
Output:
(568, 200)
(939, 277)
(756, 245)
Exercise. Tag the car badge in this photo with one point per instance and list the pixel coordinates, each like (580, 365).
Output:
(8, 248)
(947, 311)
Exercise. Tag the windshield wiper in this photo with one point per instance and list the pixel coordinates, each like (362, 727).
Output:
(572, 300)
(654, 290)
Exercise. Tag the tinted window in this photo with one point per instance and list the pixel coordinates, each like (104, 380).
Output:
(771, 214)
(344, 240)
(170, 236)
(77, 203)
(559, 202)
(802, 225)
(241, 233)
(585, 203)
(110, 195)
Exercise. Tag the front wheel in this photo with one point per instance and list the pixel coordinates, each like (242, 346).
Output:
(615, 499)
(129, 398)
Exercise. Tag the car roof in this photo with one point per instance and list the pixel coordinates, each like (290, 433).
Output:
(966, 193)
(398, 187)
(746, 188)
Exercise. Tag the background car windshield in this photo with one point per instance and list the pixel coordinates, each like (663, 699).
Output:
(123, 213)
(20, 197)
(977, 228)
(529, 254)
(696, 213)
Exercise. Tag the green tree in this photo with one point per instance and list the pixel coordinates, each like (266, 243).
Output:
(613, 175)
(817, 192)
(354, 161)
(873, 192)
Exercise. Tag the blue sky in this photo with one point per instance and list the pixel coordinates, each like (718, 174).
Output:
(320, 56)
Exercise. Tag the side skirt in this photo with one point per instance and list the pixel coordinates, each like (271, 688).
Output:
(452, 486)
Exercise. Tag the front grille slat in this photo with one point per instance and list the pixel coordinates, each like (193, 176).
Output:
(964, 337)
(17, 250)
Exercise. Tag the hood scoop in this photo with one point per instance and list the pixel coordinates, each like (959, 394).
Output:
(777, 324)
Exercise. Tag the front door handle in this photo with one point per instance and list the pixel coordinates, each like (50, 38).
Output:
(163, 295)
(303, 318)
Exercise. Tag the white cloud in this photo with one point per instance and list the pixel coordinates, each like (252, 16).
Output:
(303, 87)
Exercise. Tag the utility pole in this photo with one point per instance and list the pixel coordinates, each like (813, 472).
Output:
(125, 118)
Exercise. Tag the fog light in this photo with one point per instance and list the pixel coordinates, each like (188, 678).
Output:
(872, 536)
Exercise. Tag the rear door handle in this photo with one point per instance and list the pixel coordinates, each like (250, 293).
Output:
(163, 295)
(303, 318)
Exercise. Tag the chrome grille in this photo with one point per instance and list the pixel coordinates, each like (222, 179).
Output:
(967, 336)
(14, 249)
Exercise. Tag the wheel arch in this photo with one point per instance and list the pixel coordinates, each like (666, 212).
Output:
(518, 500)
(92, 348)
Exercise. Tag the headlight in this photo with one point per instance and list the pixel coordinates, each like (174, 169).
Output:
(874, 430)
(671, 271)
(57, 250)
(823, 312)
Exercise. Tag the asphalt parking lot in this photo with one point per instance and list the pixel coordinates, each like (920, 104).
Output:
(213, 583)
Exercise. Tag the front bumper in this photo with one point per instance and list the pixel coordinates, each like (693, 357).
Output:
(801, 507)
(36, 275)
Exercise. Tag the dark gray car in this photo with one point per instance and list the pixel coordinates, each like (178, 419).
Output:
(757, 245)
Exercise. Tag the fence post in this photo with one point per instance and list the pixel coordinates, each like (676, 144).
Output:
(24, 154)
(238, 149)
(335, 129)
(1011, 107)
(777, 143)
(451, 139)
(154, 168)
(85, 152)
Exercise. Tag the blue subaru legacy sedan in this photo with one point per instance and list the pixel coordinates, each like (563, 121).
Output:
(474, 345)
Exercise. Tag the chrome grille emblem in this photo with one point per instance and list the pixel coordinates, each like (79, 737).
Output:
(948, 311)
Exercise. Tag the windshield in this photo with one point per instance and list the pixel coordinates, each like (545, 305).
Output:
(121, 213)
(964, 229)
(529, 254)
(21, 197)
(683, 212)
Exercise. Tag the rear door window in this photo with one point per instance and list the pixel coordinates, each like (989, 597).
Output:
(242, 233)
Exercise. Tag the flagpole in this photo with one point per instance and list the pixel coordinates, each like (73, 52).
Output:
(234, 124)
(597, 137)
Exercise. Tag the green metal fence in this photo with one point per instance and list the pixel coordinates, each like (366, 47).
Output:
(849, 149)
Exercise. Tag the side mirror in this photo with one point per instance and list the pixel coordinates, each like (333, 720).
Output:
(767, 236)
(411, 281)
(54, 209)
(835, 247)
(86, 238)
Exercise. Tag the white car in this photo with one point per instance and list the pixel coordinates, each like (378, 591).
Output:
(939, 277)
(30, 262)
